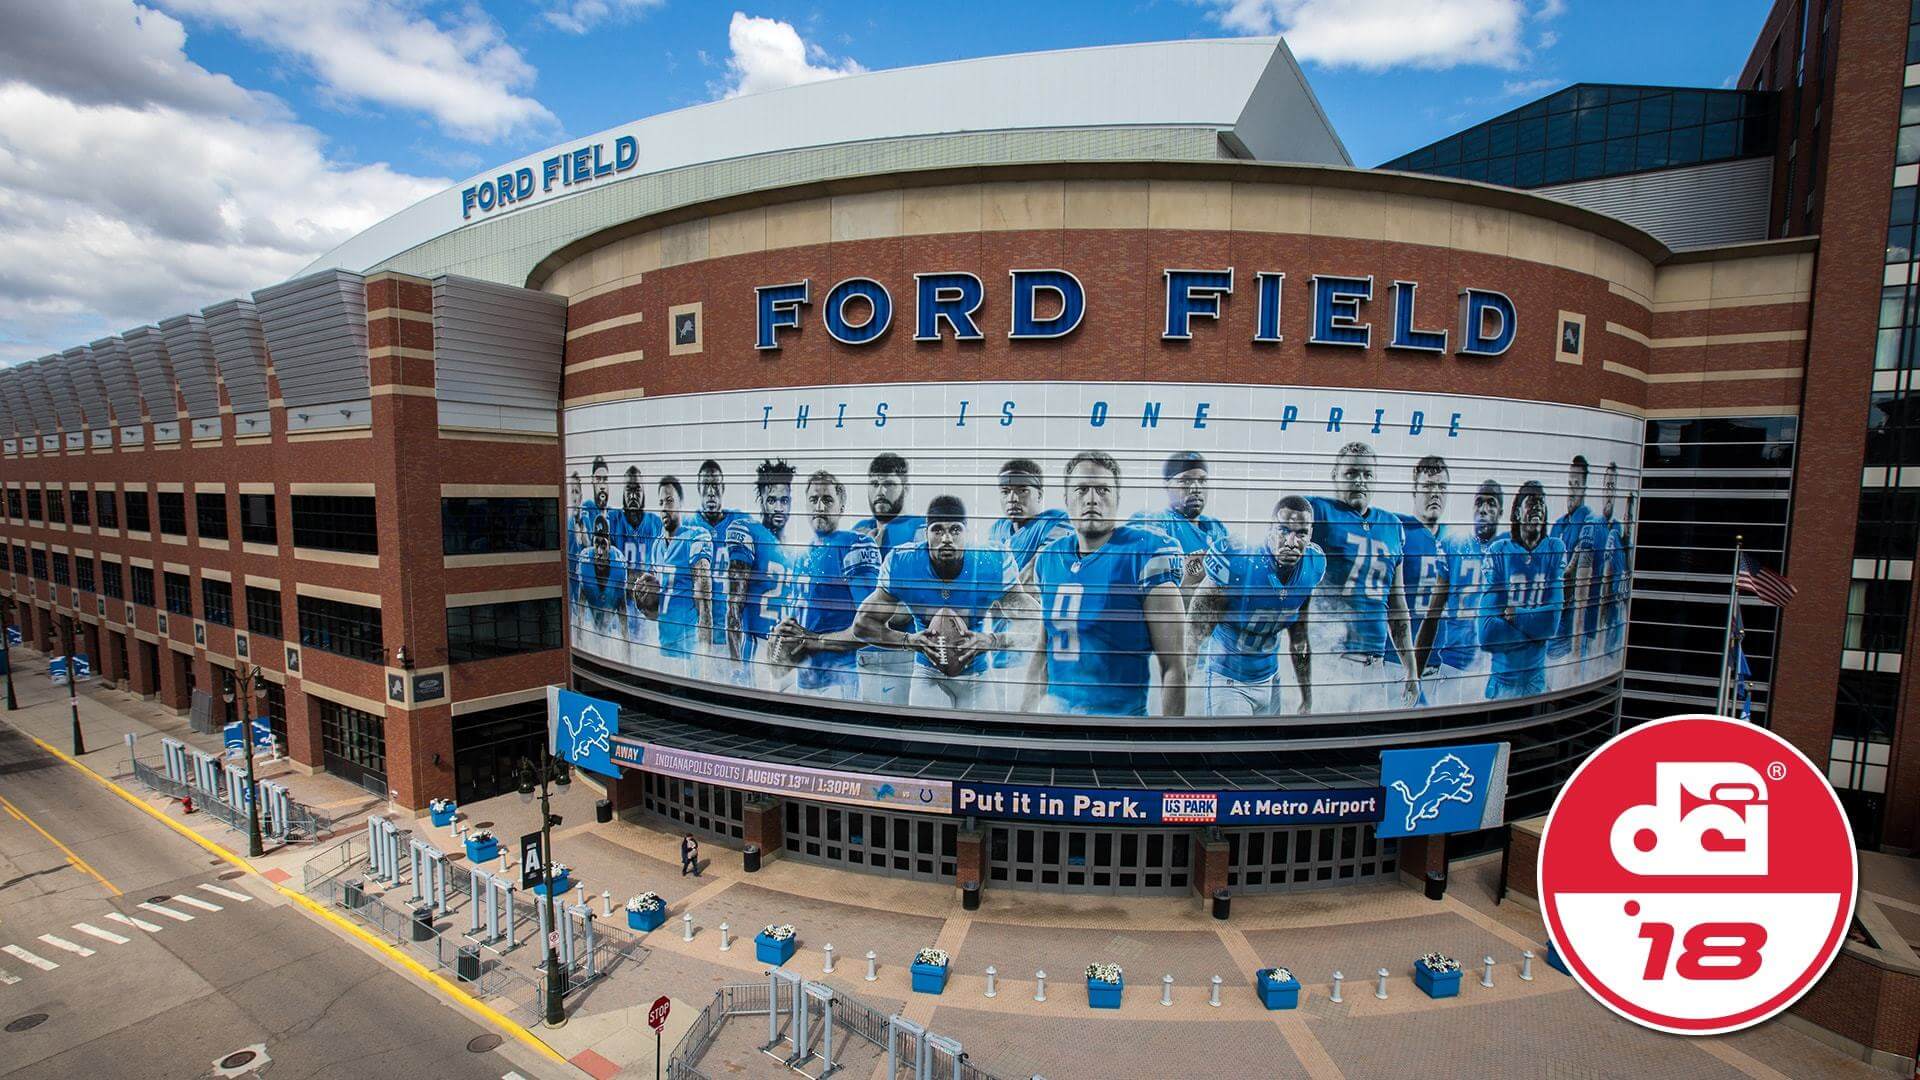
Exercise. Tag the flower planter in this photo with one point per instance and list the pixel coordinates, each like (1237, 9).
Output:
(1105, 995)
(1444, 984)
(929, 978)
(774, 951)
(1276, 995)
(648, 920)
(479, 851)
(441, 818)
(561, 886)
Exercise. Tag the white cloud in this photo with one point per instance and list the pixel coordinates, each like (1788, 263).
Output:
(768, 54)
(1521, 87)
(580, 16)
(99, 52)
(1377, 34)
(458, 68)
(144, 189)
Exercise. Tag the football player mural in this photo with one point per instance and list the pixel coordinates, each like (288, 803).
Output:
(1094, 549)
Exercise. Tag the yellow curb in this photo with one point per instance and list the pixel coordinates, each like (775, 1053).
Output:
(438, 982)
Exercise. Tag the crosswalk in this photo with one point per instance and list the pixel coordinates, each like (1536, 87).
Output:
(178, 908)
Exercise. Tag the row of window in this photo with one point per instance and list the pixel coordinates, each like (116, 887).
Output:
(324, 522)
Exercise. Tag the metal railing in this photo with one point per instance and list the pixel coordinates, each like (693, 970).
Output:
(305, 825)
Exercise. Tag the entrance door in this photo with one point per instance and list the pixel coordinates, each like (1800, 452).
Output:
(1109, 861)
(150, 656)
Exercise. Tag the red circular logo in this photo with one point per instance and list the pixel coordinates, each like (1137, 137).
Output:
(1697, 874)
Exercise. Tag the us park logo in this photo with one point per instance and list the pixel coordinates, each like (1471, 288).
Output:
(1697, 875)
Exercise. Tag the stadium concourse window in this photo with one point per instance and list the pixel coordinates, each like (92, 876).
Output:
(352, 743)
(486, 631)
(210, 510)
(83, 574)
(263, 611)
(173, 513)
(34, 512)
(336, 523)
(79, 506)
(493, 526)
(489, 744)
(216, 599)
(179, 594)
(257, 523)
(344, 629)
(139, 511)
(112, 584)
(106, 509)
(142, 577)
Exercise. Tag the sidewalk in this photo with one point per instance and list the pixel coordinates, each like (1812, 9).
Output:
(1514, 1028)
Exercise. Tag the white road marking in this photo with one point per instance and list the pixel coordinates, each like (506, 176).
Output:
(103, 935)
(7, 978)
(179, 916)
(228, 893)
(194, 901)
(63, 943)
(21, 954)
(131, 921)
(513, 1076)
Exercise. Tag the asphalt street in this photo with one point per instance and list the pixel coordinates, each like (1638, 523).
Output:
(128, 951)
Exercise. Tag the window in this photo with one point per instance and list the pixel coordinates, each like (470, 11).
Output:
(263, 611)
(277, 713)
(335, 523)
(79, 506)
(336, 626)
(34, 512)
(83, 574)
(139, 511)
(484, 631)
(111, 584)
(62, 572)
(19, 559)
(142, 584)
(13, 504)
(210, 508)
(216, 600)
(173, 513)
(257, 524)
(40, 564)
(106, 509)
(494, 525)
(179, 594)
(1877, 615)
(352, 742)
(57, 506)
(1889, 519)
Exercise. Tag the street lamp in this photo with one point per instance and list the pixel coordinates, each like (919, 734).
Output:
(73, 694)
(555, 771)
(258, 683)
(6, 647)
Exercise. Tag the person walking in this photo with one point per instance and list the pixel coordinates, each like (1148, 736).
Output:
(689, 856)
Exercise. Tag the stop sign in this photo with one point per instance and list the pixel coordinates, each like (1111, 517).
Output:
(657, 1015)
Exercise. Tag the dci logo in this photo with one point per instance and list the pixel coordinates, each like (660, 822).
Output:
(1697, 875)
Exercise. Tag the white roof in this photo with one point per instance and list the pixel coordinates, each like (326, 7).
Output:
(1249, 89)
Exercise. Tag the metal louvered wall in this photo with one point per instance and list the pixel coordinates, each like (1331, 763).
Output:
(9, 409)
(66, 404)
(39, 402)
(192, 354)
(154, 371)
(240, 351)
(497, 354)
(116, 373)
(316, 330)
(1696, 206)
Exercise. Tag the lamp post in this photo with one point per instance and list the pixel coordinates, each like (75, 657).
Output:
(258, 684)
(73, 694)
(6, 646)
(551, 770)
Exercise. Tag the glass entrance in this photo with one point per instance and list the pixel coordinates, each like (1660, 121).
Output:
(1129, 862)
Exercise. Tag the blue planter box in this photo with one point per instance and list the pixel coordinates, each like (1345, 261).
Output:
(485, 851)
(1554, 961)
(561, 886)
(768, 951)
(442, 818)
(648, 920)
(1273, 995)
(1105, 995)
(1443, 985)
(929, 978)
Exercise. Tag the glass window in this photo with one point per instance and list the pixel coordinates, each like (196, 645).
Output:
(79, 506)
(1619, 156)
(1683, 147)
(1688, 107)
(353, 739)
(1500, 171)
(484, 631)
(1893, 428)
(1558, 166)
(139, 512)
(1528, 170)
(179, 593)
(1590, 125)
(1723, 107)
(1903, 204)
(106, 509)
(83, 574)
(62, 571)
(1589, 160)
(1473, 144)
(40, 563)
(1910, 105)
(173, 513)
(257, 524)
(1560, 130)
(211, 510)
(1621, 120)
(112, 585)
(216, 598)
(335, 626)
(1656, 113)
(1718, 141)
(19, 559)
(1907, 151)
(1900, 243)
(56, 506)
(1500, 140)
(1592, 96)
(1447, 152)
(1651, 151)
(142, 577)
(14, 506)
(1529, 135)
(336, 523)
(489, 526)
(34, 505)
(263, 611)
(1877, 615)
(1889, 521)
(1893, 306)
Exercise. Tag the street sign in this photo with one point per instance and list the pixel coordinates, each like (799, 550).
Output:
(657, 1015)
(533, 861)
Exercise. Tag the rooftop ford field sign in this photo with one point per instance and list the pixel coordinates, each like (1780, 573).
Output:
(572, 168)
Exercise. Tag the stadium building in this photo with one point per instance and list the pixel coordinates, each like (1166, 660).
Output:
(1062, 471)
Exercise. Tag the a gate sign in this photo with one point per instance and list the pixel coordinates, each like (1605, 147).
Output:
(1443, 789)
(533, 862)
(657, 1014)
(829, 785)
(580, 730)
(262, 736)
(1124, 806)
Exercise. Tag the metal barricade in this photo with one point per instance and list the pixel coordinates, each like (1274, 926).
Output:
(173, 754)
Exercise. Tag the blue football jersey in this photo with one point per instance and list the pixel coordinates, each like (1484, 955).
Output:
(634, 541)
(829, 580)
(1023, 543)
(986, 575)
(1094, 615)
(1261, 602)
(752, 544)
(1580, 527)
(1363, 553)
(603, 593)
(899, 530)
(1420, 570)
(1463, 565)
(675, 557)
(719, 530)
(1530, 583)
(1191, 534)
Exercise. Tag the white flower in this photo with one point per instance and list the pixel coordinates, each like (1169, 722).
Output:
(1104, 972)
(440, 805)
(646, 901)
(479, 836)
(559, 870)
(931, 957)
(778, 933)
(1279, 975)
(1439, 963)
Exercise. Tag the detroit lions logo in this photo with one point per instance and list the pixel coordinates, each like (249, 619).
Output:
(1448, 781)
(586, 732)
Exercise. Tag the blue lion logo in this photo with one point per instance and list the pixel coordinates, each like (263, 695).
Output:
(1449, 780)
(586, 733)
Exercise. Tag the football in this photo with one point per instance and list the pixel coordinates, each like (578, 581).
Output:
(646, 595)
(948, 630)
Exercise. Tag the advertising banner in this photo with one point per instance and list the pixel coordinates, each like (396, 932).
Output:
(1105, 549)
(1114, 806)
(856, 789)
(580, 730)
(1444, 789)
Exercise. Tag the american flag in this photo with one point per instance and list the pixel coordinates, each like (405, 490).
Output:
(1759, 581)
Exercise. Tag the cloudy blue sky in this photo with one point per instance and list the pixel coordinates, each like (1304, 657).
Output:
(158, 157)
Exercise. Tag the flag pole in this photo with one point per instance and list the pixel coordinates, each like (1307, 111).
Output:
(1726, 646)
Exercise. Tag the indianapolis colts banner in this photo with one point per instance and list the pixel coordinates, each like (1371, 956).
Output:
(580, 730)
(1445, 789)
(1105, 549)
